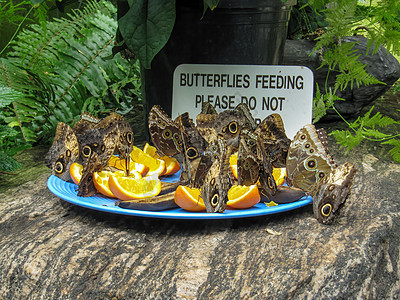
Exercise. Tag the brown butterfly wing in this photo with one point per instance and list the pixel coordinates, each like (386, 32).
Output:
(86, 186)
(248, 164)
(164, 132)
(332, 192)
(272, 131)
(308, 160)
(63, 152)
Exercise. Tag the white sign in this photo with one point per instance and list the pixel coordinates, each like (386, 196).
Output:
(287, 90)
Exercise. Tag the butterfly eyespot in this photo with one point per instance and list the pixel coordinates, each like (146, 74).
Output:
(270, 184)
(307, 146)
(326, 210)
(214, 200)
(311, 164)
(273, 157)
(167, 134)
(86, 151)
(233, 127)
(255, 152)
(68, 153)
(159, 121)
(103, 148)
(58, 168)
(192, 153)
(303, 137)
(129, 137)
(311, 151)
(61, 156)
(331, 187)
(215, 156)
(251, 143)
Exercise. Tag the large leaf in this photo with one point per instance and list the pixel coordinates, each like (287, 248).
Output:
(146, 27)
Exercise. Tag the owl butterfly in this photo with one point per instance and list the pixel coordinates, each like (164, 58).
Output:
(124, 142)
(101, 139)
(86, 186)
(332, 192)
(97, 145)
(272, 132)
(86, 122)
(254, 164)
(193, 147)
(214, 190)
(308, 159)
(63, 152)
(226, 124)
(164, 132)
(250, 123)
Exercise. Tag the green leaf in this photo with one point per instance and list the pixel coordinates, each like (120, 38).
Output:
(7, 163)
(146, 28)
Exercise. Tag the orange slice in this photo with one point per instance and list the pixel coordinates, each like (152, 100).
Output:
(233, 164)
(76, 172)
(100, 180)
(243, 196)
(279, 175)
(156, 166)
(150, 150)
(118, 163)
(171, 165)
(129, 188)
(189, 199)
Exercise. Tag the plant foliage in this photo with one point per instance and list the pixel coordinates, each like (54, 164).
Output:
(380, 23)
(59, 69)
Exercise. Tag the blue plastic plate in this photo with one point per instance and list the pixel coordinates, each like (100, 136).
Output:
(68, 192)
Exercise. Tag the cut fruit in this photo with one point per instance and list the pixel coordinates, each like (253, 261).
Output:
(129, 188)
(100, 180)
(150, 150)
(120, 164)
(76, 172)
(156, 166)
(171, 165)
(243, 196)
(233, 164)
(189, 199)
(279, 175)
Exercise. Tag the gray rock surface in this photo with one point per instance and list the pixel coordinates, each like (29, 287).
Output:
(53, 250)
(381, 65)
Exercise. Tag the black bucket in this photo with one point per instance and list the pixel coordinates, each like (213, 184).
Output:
(237, 32)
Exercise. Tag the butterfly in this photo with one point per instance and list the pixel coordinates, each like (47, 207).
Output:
(214, 190)
(272, 132)
(254, 164)
(165, 133)
(63, 152)
(332, 192)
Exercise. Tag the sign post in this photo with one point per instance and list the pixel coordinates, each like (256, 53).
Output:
(286, 90)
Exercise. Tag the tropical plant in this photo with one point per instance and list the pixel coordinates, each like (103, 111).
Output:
(380, 23)
(59, 69)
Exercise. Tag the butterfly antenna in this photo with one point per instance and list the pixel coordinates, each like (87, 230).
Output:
(127, 163)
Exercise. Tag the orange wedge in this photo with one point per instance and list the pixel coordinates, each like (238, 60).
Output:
(118, 163)
(76, 172)
(279, 175)
(189, 199)
(100, 180)
(129, 188)
(171, 165)
(233, 164)
(150, 150)
(243, 196)
(156, 166)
